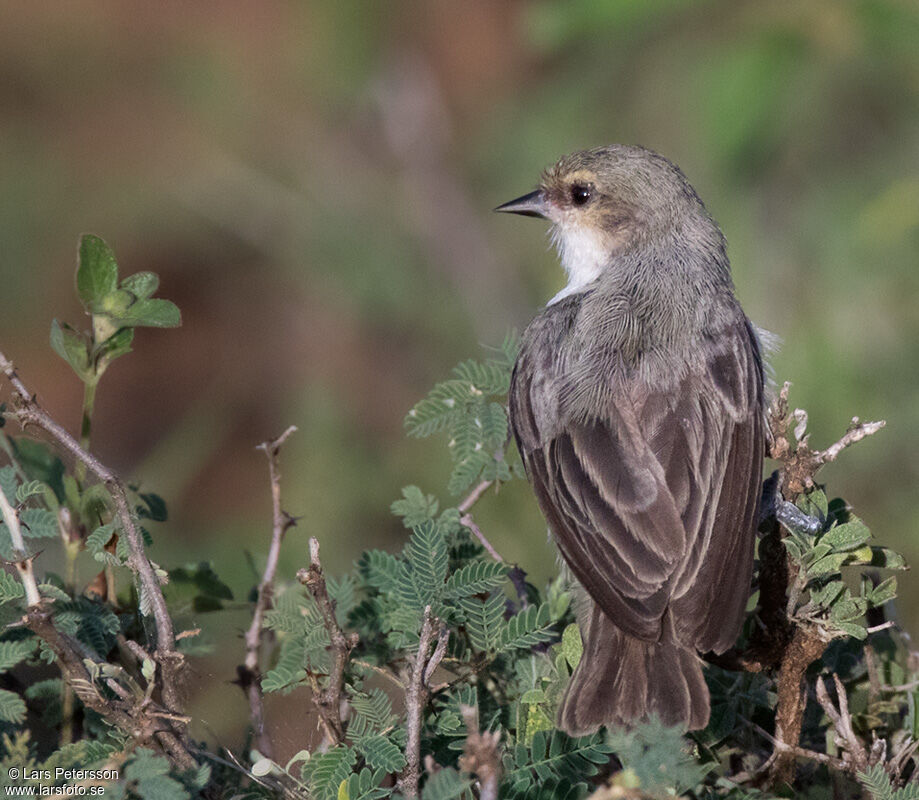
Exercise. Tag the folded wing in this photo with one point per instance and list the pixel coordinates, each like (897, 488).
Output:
(652, 502)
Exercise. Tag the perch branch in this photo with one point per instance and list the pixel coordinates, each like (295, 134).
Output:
(783, 644)
(29, 412)
(249, 672)
(328, 700)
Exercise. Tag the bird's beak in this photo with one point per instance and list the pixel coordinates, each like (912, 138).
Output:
(533, 204)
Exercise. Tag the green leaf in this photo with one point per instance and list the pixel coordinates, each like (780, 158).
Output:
(97, 272)
(554, 756)
(421, 580)
(364, 785)
(72, 347)
(884, 592)
(848, 609)
(38, 523)
(814, 504)
(154, 507)
(152, 313)
(288, 672)
(10, 588)
(325, 771)
(11, 653)
(12, 707)
(380, 569)
(445, 784)
(885, 558)
(490, 377)
(572, 646)
(380, 752)
(477, 577)
(9, 483)
(116, 345)
(827, 564)
(29, 489)
(484, 620)
(415, 507)
(141, 284)
(847, 536)
(852, 629)
(828, 593)
(527, 628)
(40, 463)
(372, 713)
(658, 756)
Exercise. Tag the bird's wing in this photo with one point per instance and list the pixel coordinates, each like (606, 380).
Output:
(657, 494)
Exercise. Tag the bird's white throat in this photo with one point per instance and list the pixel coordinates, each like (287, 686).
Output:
(583, 252)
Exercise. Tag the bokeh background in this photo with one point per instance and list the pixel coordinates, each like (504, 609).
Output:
(313, 182)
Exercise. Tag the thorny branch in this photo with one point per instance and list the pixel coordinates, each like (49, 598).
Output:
(249, 672)
(782, 644)
(416, 695)
(28, 412)
(141, 718)
(800, 463)
(328, 700)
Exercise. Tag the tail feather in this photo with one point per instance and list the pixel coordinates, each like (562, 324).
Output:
(621, 680)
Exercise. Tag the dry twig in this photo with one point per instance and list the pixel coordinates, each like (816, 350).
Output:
(27, 411)
(782, 644)
(855, 758)
(481, 755)
(249, 672)
(328, 700)
(416, 696)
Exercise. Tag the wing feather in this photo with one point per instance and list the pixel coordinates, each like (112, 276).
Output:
(652, 502)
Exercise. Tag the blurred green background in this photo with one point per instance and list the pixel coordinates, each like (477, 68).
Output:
(313, 182)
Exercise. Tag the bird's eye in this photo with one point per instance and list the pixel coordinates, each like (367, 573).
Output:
(580, 194)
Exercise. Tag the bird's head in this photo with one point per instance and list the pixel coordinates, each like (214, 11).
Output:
(604, 201)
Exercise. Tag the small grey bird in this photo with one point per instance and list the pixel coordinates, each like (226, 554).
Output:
(637, 406)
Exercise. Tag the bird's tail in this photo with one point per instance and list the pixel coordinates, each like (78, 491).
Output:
(621, 680)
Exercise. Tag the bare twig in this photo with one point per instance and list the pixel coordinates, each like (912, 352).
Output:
(856, 757)
(328, 700)
(468, 522)
(249, 673)
(23, 561)
(781, 643)
(516, 575)
(481, 755)
(856, 432)
(380, 671)
(415, 698)
(29, 412)
(793, 750)
(473, 497)
(143, 720)
(801, 463)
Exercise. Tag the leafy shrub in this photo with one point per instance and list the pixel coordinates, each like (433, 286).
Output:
(437, 670)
